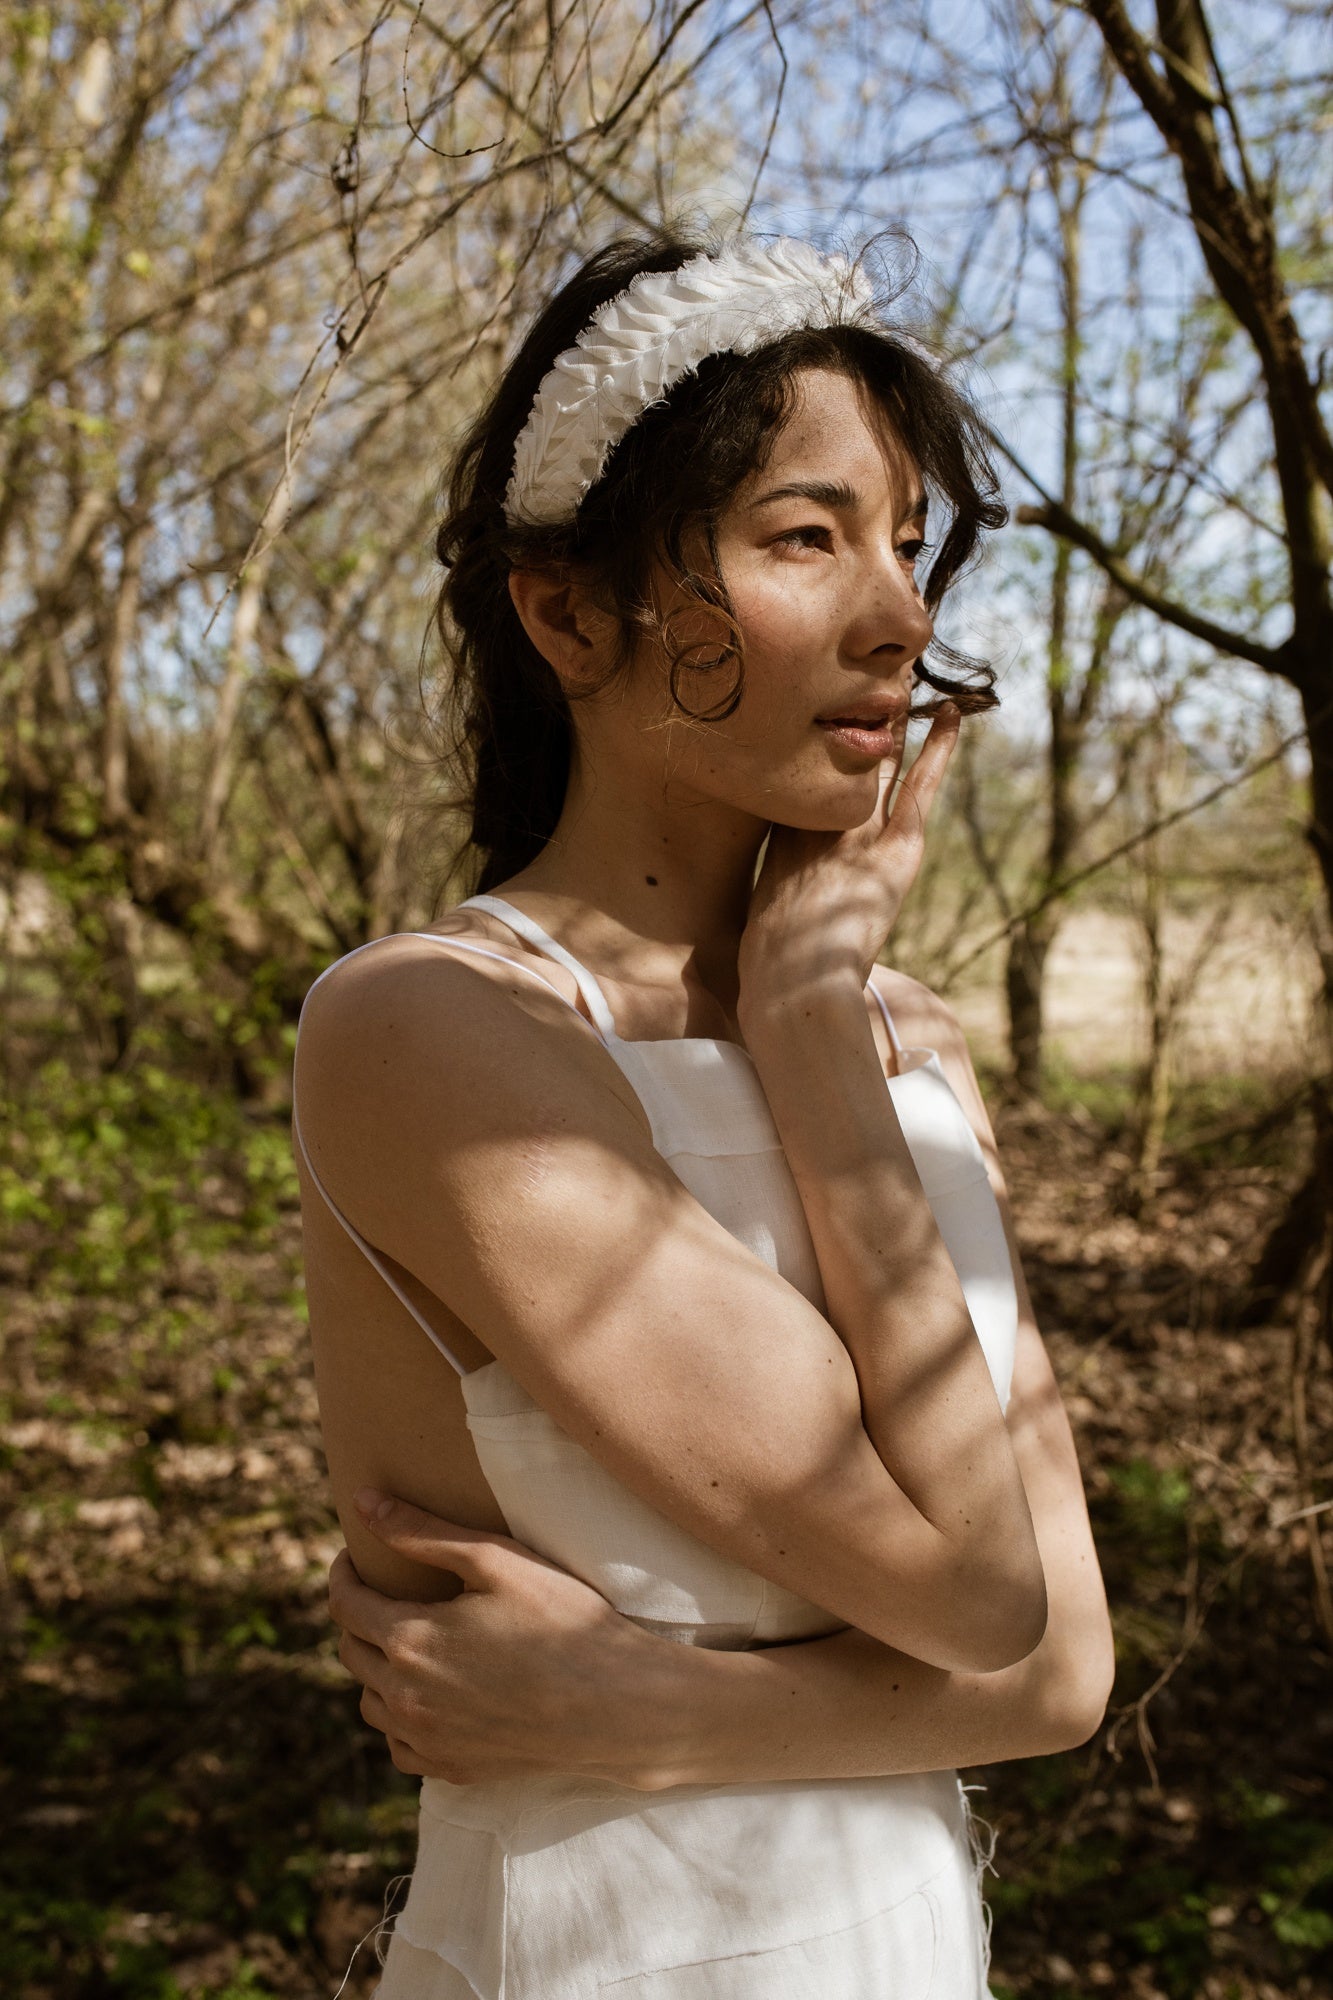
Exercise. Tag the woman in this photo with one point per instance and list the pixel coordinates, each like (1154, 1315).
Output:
(693, 1194)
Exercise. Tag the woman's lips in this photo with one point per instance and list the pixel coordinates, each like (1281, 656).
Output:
(870, 739)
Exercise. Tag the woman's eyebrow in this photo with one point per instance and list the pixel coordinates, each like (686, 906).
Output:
(833, 493)
(824, 492)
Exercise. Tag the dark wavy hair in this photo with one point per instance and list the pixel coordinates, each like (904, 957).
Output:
(508, 727)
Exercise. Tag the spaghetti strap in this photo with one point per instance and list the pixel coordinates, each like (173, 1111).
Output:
(526, 928)
(888, 1018)
(372, 1254)
(369, 1251)
(463, 944)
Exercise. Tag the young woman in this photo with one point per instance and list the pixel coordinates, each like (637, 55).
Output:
(651, 1221)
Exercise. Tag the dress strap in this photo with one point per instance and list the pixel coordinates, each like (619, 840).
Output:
(533, 933)
(461, 944)
(373, 1255)
(888, 1018)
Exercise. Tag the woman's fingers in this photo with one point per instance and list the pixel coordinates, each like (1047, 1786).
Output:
(365, 1663)
(355, 1606)
(406, 1760)
(376, 1711)
(472, 1554)
(917, 792)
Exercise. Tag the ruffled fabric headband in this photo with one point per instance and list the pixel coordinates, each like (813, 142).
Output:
(640, 344)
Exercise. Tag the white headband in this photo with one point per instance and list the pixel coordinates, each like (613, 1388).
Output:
(641, 343)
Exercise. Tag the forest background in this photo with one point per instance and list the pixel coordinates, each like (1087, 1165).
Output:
(261, 258)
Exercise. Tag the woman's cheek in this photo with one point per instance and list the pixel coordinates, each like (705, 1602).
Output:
(783, 616)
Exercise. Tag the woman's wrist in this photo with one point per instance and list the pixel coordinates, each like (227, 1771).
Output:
(779, 1003)
(696, 1721)
(664, 1724)
(815, 1052)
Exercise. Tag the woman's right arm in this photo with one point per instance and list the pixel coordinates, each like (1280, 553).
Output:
(847, 1707)
(481, 1137)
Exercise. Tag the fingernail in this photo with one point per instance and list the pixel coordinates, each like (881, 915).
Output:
(374, 1503)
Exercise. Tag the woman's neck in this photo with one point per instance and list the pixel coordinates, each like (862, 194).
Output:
(651, 888)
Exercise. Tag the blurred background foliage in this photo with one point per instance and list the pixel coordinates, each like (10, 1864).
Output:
(261, 258)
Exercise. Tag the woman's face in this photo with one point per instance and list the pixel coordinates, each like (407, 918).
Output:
(818, 553)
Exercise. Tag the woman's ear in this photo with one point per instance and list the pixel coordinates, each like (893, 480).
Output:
(570, 632)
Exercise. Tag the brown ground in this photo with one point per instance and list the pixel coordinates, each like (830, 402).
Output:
(1167, 1857)
(194, 1808)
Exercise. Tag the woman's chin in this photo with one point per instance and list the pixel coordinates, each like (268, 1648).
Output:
(822, 799)
(851, 799)
(841, 810)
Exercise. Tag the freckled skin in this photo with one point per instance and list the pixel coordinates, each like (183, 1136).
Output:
(815, 592)
(827, 600)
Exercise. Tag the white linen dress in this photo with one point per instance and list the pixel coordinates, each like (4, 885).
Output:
(565, 1889)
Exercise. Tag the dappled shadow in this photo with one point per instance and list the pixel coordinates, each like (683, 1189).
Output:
(190, 1791)
(193, 1806)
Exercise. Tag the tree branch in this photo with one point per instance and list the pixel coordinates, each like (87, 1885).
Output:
(1068, 883)
(1058, 520)
(1235, 232)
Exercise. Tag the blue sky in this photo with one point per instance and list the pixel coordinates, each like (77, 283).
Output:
(898, 114)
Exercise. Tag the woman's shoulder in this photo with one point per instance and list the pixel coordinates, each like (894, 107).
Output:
(459, 970)
(470, 938)
(424, 1016)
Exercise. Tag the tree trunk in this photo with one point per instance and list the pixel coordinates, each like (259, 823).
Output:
(1317, 704)
(1030, 943)
(1024, 977)
(124, 619)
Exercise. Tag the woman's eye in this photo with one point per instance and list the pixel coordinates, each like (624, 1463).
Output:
(812, 537)
(910, 551)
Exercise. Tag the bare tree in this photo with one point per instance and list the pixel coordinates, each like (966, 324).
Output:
(264, 257)
(1177, 79)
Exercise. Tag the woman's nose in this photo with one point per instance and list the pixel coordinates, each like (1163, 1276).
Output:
(892, 619)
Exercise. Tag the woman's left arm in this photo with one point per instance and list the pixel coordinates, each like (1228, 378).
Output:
(530, 1670)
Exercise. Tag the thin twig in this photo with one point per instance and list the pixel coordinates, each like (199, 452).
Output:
(1068, 883)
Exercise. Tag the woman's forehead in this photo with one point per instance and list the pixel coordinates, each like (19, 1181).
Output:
(837, 433)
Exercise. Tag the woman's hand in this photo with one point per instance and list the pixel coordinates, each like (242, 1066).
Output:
(825, 903)
(528, 1671)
